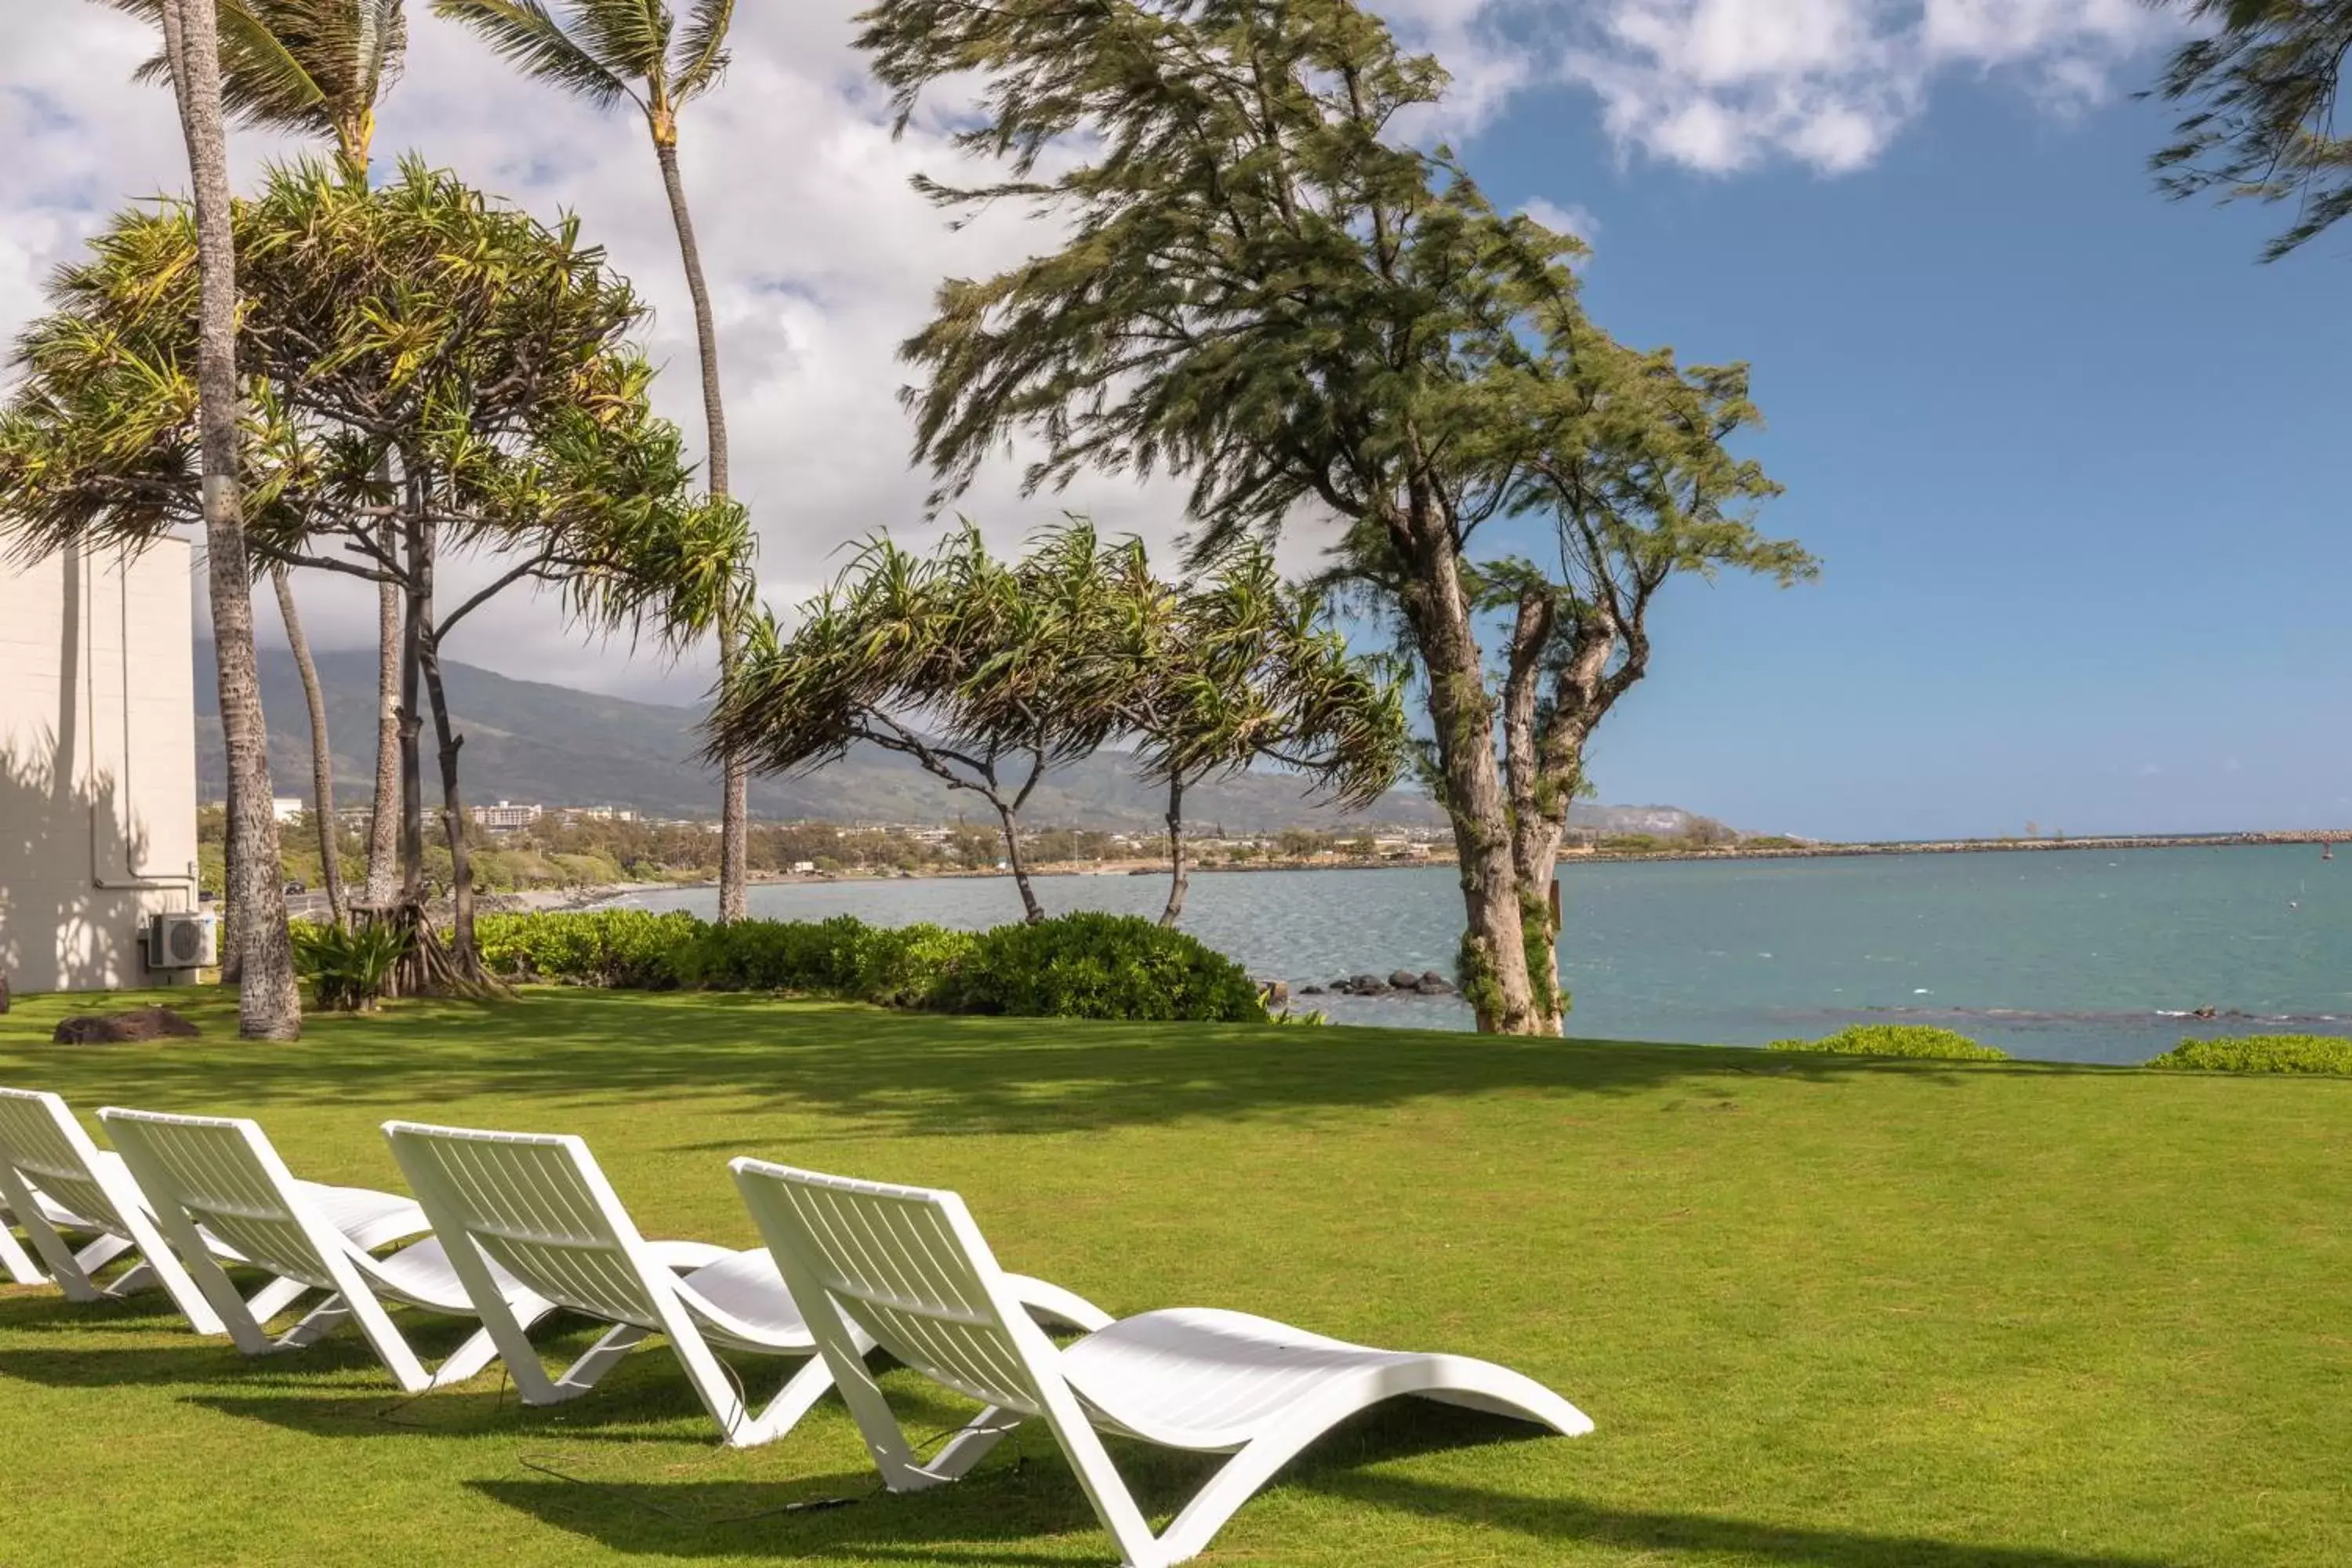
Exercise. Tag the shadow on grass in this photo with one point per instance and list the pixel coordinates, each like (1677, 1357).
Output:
(911, 1073)
(1035, 1499)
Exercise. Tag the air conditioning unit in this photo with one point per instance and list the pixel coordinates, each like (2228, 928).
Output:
(182, 939)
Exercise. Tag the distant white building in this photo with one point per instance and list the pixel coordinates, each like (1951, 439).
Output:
(505, 817)
(288, 808)
(97, 765)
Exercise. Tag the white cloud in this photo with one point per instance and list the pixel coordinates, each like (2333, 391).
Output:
(1563, 217)
(823, 261)
(1727, 85)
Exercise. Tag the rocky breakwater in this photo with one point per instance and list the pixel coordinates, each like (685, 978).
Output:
(1398, 983)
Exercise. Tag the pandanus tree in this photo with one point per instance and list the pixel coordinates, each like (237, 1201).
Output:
(974, 670)
(1255, 671)
(427, 373)
(638, 52)
(990, 674)
(1261, 286)
(319, 68)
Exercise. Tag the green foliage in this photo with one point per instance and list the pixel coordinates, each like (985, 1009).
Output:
(2263, 79)
(902, 966)
(1080, 966)
(2261, 1053)
(632, 950)
(1918, 1040)
(1092, 965)
(349, 968)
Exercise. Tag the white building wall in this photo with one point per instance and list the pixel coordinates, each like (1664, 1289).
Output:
(97, 765)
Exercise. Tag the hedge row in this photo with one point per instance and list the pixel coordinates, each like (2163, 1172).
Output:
(1074, 966)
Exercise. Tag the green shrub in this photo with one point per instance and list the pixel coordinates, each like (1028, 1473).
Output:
(1897, 1040)
(347, 970)
(1092, 965)
(2261, 1053)
(1079, 966)
(903, 966)
(634, 949)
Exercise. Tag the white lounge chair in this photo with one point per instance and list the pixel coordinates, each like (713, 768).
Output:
(58, 1181)
(539, 1207)
(907, 1267)
(218, 1178)
(22, 1269)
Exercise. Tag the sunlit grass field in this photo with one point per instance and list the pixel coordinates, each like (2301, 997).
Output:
(1823, 1311)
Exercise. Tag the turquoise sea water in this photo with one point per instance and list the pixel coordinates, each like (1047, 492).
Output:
(2085, 955)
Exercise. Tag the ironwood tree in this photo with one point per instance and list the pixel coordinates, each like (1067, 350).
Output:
(2261, 81)
(1262, 286)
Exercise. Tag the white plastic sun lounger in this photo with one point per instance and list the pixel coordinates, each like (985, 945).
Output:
(22, 1269)
(907, 1267)
(221, 1177)
(58, 1181)
(539, 1207)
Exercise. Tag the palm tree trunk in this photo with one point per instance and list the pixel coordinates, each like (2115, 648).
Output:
(322, 756)
(734, 791)
(269, 1006)
(1180, 877)
(383, 821)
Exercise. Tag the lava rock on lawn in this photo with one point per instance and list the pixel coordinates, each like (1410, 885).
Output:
(123, 1028)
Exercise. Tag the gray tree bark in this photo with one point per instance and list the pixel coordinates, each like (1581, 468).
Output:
(1179, 873)
(734, 830)
(383, 821)
(269, 1006)
(322, 755)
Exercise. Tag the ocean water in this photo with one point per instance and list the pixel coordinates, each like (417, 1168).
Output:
(2081, 955)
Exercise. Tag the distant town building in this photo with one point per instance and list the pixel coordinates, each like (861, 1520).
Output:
(288, 808)
(97, 765)
(505, 817)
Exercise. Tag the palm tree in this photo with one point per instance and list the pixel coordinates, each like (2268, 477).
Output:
(636, 51)
(269, 1005)
(317, 67)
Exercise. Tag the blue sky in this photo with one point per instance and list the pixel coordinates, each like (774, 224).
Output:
(2072, 460)
(2068, 454)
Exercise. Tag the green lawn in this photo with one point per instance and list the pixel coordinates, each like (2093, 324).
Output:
(1824, 1311)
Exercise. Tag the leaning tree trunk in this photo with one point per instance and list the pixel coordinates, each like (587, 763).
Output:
(462, 955)
(269, 1006)
(734, 830)
(1032, 912)
(1493, 964)
(383, 819)
(322, 756)
(1179, 874)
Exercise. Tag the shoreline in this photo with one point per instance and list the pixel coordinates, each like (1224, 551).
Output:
(536, 899)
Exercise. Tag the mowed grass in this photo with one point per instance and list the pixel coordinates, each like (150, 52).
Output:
(1823, 1311)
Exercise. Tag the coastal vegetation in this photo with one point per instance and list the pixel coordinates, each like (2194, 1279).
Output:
(1868, 1314)
(1920, 1041)
(1083, 965)
(2261, 1053)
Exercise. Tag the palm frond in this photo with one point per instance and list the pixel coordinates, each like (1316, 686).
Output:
(703, 48)
(526, 34)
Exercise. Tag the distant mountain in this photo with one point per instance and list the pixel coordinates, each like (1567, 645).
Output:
(529, 741)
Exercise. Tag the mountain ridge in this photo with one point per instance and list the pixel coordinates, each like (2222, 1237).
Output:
(539, 741)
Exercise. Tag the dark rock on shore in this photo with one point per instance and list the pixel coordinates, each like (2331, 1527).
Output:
(1433, 983)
